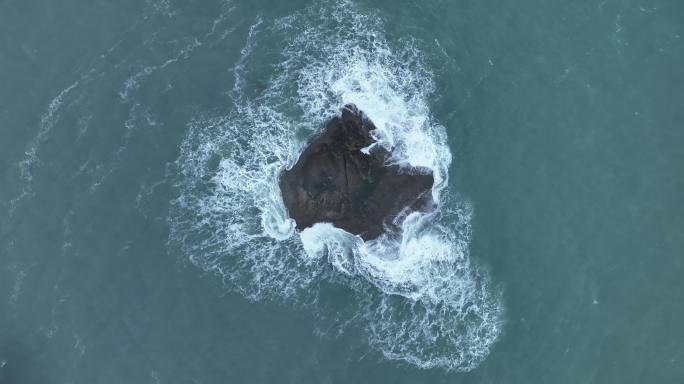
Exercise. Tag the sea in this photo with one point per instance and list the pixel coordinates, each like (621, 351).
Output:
(144, 239)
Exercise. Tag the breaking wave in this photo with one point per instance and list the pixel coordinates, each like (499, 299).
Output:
(417, 297)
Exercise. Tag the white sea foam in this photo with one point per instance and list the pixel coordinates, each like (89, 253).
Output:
(133, 82)
(30, 160)
(239, 67)
(418, 297)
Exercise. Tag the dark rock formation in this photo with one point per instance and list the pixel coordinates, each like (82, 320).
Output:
(334, 182)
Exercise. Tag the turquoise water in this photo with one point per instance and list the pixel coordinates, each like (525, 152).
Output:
(142, 239)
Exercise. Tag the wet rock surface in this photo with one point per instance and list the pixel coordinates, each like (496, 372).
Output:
(333, 181)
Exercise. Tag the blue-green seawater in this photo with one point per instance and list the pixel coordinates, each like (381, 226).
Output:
(143, 238)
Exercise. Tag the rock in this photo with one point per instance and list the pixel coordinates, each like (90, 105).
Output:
(333, 181)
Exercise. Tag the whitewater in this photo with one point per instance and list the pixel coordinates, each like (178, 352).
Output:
(418, 297)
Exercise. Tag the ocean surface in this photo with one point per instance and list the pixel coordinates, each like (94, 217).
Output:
(143, 237)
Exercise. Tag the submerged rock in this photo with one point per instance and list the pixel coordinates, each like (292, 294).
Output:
(334, 181)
